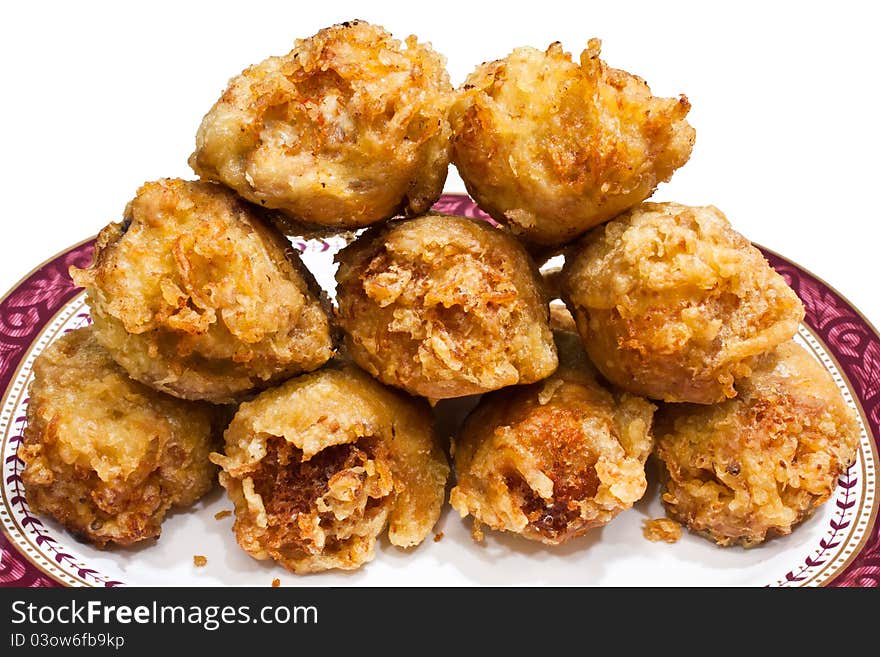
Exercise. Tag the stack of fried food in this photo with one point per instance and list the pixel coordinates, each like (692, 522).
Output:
(676, 340)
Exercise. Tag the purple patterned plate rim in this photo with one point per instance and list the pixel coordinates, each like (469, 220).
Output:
(850, 340)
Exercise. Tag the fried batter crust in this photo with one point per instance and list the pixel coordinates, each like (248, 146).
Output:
(661, 529)
(107, 456)
(319, 467)
(553, 147)
(551, 460)
(755, 466)
(347, 129)
(195, 295)
(444, 307)
(674, 304)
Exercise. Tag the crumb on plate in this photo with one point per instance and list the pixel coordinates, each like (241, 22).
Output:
(200, 561)
(225, 513)
(661, 529)
(276, 583)
(438, 537)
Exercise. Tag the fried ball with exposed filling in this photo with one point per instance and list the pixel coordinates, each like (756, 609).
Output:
(553, 148)
(196, 295)
(444, 307)
(106, 456)
(673, 304)
(319, 467)
(753, 467)
(552, 460)
(347, 129)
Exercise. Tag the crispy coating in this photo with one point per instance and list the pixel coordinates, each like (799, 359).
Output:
(674, 304)
(347, 129)
(195, 295)
(319, 467)
(661, 529)
(553, 148)
(444, 307)
(106, 456)
(552, 460)
(756, 466)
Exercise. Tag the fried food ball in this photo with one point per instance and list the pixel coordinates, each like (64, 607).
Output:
(553, 148)
(319, 467)
(195, 295)
(347, 129)
(753, 467)
(106, 456)
(674, 304)
(444, 307)
(552, 460)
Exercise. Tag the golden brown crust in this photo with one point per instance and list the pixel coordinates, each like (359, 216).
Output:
(661, 529)
(347, 129)
(756, 466)
(107, 456)
(318, 468)
(552, 460)
(195, 295)
(553, 147)
(444, 307)
(673, 304)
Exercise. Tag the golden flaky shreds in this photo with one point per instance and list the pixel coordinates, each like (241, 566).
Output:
(107, 456)
(444, 307)
(674, 304)
(553, 147)
(195, 295)
(551, 460)
(347, 129)
(320, 466)
(755, 466)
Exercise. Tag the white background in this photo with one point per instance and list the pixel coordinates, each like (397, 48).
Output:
(99, 97)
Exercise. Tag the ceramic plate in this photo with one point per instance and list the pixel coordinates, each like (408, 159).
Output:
(838, 546)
